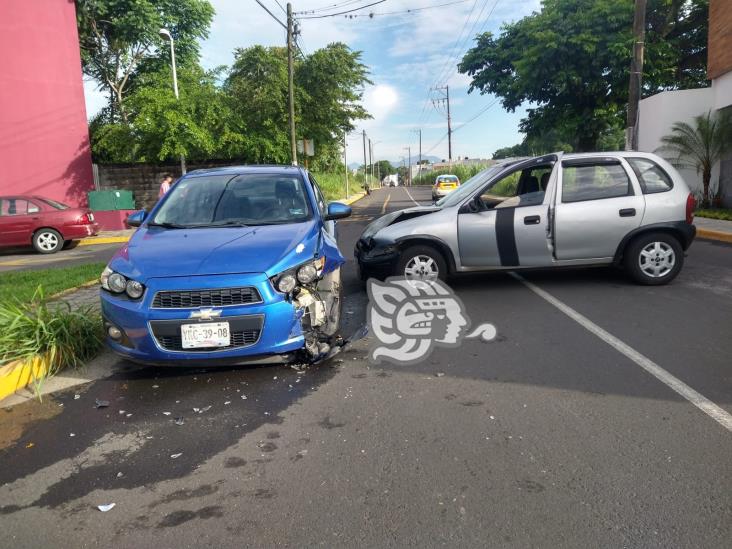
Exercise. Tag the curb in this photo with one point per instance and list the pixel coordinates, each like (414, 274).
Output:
(352, 199)
(21, 373)
(709, 234)
(104, 240)
(68, 291)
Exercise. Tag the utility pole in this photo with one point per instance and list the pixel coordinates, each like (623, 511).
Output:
(363, 133)
(371, 161)
(446, 101)
(290, 82)
(345, 159)
(636, 75)
(419, 162)
(409, 169)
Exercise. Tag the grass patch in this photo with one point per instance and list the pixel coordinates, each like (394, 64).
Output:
(715, 213)
(463, 172)
(333, 185)
(22, 285)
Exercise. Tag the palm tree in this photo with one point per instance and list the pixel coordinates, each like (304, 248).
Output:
(699, 145)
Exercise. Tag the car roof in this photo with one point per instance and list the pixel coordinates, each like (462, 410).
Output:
(244, 169)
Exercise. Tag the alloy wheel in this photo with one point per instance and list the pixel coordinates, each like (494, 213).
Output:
(657, 259)
(421, 267)
(47, 241)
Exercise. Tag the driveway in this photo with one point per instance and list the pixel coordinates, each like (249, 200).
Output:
(589, 421)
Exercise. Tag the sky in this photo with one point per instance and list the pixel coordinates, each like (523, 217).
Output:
(407, 55)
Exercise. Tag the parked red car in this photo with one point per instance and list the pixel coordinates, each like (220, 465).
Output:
(45, 224)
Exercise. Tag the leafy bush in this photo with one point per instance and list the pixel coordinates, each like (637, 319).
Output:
(333, 185)
(67, 337)
(716, 213)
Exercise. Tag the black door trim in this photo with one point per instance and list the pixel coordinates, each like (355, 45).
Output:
(506, 237)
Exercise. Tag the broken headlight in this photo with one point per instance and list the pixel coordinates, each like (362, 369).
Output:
(306, 273)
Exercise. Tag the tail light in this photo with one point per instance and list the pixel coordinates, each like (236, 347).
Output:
(690, 206)
(85, 219)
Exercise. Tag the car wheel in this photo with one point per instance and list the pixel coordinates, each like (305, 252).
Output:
(47, 241)
(654, 259)
(70, 244)
(421, 263)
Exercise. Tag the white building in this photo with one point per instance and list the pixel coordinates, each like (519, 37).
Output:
(659, 112)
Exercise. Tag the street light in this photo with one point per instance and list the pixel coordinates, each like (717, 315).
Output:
(165, 35)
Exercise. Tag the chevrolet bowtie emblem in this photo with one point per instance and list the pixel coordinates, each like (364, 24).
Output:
(206, 314)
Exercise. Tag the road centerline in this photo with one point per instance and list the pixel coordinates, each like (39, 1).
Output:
(386, 203)
(714, 411)
(411, 197)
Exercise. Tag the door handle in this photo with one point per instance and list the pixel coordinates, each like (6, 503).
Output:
(627, 212)
(532, 220)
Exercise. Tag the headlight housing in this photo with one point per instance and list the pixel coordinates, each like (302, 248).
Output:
(117, 283)
(307, 273)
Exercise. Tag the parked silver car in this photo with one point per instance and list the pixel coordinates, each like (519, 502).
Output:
(626, 208)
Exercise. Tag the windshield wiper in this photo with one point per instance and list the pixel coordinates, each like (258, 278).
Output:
(223, 224)
(167, 225)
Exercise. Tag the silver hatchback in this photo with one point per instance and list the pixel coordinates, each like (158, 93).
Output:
(625, 208)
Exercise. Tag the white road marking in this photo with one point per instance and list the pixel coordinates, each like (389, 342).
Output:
(718, 414)
(383, 208)
(410, 196)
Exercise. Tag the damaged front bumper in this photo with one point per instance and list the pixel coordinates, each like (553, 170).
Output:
(268, 329)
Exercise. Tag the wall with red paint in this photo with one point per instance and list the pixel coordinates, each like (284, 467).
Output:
(44, 138)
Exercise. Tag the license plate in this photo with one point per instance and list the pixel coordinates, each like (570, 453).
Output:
(209, 334)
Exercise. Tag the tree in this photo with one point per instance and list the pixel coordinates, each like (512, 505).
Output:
(571, 59)
(119, 37)
(700, 145)
(384, 167)
(198, 125)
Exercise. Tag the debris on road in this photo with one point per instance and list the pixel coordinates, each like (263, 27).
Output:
(101, 403)
(77, 396)
(120, 474)
(176, 456)
(166, 413)
(440, 374)
(107, 507)
(179, 421)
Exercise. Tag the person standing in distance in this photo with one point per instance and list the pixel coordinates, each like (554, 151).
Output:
(166, 181)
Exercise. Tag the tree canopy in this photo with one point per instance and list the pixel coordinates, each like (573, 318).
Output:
(570, 62)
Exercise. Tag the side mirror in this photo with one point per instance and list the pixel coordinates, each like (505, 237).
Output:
(136, 219)
(336, 210)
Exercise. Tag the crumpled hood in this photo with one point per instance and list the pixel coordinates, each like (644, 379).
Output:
(155, 252)
(395, 217)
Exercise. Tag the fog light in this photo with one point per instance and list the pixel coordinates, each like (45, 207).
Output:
(114, 332)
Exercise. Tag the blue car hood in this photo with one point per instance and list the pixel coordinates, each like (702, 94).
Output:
(154, 252)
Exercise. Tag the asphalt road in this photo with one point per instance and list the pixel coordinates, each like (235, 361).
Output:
(27, 259)
(547, 436)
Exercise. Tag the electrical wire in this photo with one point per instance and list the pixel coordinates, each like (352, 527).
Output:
(280, 5)
(344, 12)
(480, 113)
(409, 10)
(329, 8)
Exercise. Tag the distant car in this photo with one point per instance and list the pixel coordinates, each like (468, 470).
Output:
(444, 184)
(624, 208)
(233, 265)
(45, 224)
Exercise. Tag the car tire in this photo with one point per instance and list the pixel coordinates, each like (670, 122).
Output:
(421, 258)
(654, 259)
(47, 241)
(70, 244)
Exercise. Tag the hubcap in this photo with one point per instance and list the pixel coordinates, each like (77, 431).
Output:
(47, 241)
(657, 259)
(421, 267)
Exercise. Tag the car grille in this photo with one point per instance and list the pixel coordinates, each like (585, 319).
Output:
(245, 331)
(223, 297)
(238, 339)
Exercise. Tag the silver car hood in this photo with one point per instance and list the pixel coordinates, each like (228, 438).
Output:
(396, 217)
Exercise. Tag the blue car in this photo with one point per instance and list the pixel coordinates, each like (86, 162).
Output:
(233, 266)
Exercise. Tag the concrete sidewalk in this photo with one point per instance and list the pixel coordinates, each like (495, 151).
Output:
(713, 229)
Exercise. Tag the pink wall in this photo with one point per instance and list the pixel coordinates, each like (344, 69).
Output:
(44, 138)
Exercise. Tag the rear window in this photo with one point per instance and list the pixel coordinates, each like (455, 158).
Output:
(651, 176)
(447, 179)
(594, 182)
(54, 204)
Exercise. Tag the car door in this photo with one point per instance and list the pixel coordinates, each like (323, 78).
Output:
(512, 229)
(597, 204)
(16, 224)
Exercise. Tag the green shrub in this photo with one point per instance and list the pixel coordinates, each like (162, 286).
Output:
(716, 213)
(68, 337)
(333, 185)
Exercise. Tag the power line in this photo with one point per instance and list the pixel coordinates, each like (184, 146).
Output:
(280, 5)
(343, 12)
(480, 113)
(265, 8)
(329, 8)
(409, 10)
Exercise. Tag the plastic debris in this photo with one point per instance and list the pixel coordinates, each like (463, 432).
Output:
(121, 412)
(243, 397)
(156, 386)
(72, 434)
(227, 402)
(166, 413)
(205, 409)
(492, 417)
(120, 474)
(197, 410)
(107, 507)
(128, 415)
(77, 396)
(440, 374)
(101, 403)
(176, 456)
(30, 445)
(179, 421)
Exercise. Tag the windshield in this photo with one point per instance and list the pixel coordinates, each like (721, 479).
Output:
(250, 199)
(470, 186)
